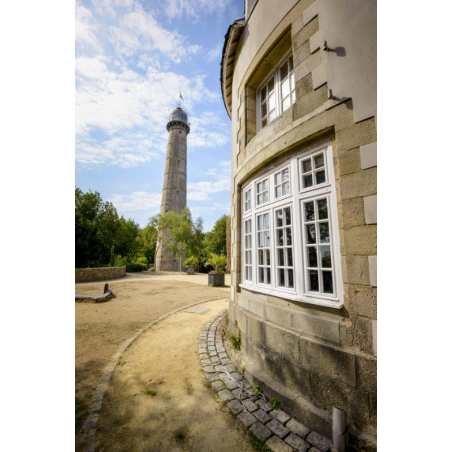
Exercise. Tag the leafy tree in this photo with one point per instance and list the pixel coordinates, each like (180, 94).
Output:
(182, 232)
(216, 239)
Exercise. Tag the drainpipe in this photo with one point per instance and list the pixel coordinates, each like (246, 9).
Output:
(340, 437)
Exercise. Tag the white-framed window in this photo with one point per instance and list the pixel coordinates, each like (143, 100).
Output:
(282, 182)
(247, 200)
(291, 241)
(263, 249)
(248, 246)
(277, 93)
(262, 192)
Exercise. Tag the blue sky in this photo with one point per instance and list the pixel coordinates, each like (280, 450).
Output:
(131, 59)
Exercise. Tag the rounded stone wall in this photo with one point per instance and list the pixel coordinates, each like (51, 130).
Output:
(98, 274)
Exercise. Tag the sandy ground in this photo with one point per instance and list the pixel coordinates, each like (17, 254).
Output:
(184, 414)
(101, 327)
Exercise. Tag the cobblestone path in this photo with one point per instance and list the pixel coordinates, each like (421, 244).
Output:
(275, 428)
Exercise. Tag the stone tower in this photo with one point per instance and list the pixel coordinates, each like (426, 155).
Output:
(174, 193)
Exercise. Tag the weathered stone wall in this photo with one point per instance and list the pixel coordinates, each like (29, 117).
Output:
(326, 356)
(98, 274)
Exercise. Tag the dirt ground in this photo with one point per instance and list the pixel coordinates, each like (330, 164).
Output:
(101, 327)
(183, 414)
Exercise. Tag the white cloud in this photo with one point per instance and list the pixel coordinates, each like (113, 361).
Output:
(194, 8)
(139, 30)
(215, 53)
(139, 200)
(221, 181)
(84, 30)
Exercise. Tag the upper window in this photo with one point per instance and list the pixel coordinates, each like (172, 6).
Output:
(247, 200)
(277, 94)
(291, 237)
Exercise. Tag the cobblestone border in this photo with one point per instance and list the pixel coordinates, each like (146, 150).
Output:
(88, 431)
(275, 428)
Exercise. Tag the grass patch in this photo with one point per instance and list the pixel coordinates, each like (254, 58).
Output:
(234, 340)
(275, 404)
(81, 412)
(256, 390)
(150, 392)
(258, 444)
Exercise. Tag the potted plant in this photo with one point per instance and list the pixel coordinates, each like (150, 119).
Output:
(191, 263)
(216, 276)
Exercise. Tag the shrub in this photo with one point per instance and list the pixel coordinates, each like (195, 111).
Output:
(218, 262)
(136, 267)
(191, 262)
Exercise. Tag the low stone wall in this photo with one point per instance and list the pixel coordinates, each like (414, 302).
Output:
(98, 274)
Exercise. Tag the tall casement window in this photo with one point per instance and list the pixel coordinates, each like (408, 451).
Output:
(277, 93)
(290, 233)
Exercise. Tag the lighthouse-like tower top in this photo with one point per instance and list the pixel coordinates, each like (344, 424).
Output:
(178, 117)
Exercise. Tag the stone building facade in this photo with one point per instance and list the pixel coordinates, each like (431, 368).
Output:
(299, 84)
(174, 192)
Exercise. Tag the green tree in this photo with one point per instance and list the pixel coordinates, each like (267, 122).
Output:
(216, 239)
(182, 232)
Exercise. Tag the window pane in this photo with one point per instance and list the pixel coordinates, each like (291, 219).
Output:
(261, 274)
(309, 211)
(278, 191)
(307, 165)
(268, 276)
(264, 109)
(285, 188)
(292, 83)
(281, 277)
(287, 215)
(307, 181)
(327, 282)
(271, 85)
(278, 179)
(285, 174)
(286, 103)
(247, 242)
(323, 209)
(325, 252)
(324, 232)
(289, 257)
(284, 70)
(271, 101)
(290, 63)
(267, 239)
(266, 196)
(261, 257)
(279, 218)
(289, 236)
(313, 280)
(263, 93)
(266, 225)
(290, 278)
(260, 199)
(279, 237)
(260, 223)
(259, 187)
(281, 257)
(265, 183)
(320, 177)
(319, 162)
(272, 115)
(312, 256)
(260, 239)
(285, 88)
(267, 257)
(310, 229)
